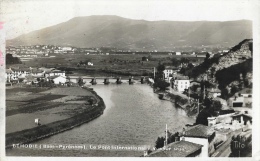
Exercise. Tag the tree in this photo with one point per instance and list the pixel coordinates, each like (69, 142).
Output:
(160, 69)
(159, 142)
(172, 137)
(207, 56)
(12, 60)
(202, 117)
(216, 105)
(184, 60)
(176, 62)
(224, 93)
(159, 83)
(80, 81)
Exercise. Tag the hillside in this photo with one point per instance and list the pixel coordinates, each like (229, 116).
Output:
(233, 69)
(114, 31)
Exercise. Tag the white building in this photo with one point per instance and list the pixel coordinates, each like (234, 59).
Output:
(55, 73)
(58, 79)
(181, 83)
(90, 64)
(201, 134)
(178, 53)
(169, 72)
(67, 48)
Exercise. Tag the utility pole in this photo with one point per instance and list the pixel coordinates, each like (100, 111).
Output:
(166, 137)
(204, 92)
(153, 72)
(189, 93)
(198, 106)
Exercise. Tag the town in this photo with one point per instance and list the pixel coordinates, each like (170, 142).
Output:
(192, 81)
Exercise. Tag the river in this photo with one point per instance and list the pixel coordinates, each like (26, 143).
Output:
(133, 116)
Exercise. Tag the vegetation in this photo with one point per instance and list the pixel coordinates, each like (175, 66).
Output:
(171, 138)
(80, 81)
(159, 82)
(238, 73)
(12, 60)
(212, 108)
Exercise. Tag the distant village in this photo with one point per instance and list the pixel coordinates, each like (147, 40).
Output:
(27, 52)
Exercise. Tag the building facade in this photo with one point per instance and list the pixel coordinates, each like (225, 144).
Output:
(181, 83)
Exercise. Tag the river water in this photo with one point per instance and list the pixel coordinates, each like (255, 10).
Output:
(134, 116)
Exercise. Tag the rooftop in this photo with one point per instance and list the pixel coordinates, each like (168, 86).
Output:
(215, 90)
(55, 76)
(246, 91)
(177, 149)
(242, 114)
(171, 67)
(199, 131)
(8, 71)
(182, 78)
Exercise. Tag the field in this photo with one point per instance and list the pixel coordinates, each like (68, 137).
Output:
(23, 105)
(122, 64)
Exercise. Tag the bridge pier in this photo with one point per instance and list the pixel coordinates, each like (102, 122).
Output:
(93, 81)
(106, 81)
(118, 80)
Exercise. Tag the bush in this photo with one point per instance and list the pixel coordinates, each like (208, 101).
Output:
(159, 142)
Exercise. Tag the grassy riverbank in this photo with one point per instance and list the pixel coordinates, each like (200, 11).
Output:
(39, 132)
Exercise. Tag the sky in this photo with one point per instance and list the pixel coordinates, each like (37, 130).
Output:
(22, 16)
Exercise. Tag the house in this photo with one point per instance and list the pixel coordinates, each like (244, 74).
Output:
(37, 72)
(236, 101)
(15, 73)
(90, 64)
(54, 72)
(214, 93)
(225, 51)
(246, 92)
(66, 48)
(58, 79)
(179, 149)
(29, 79)
(201, 134)
(178, 53)
(242, 118)
(9, 75)
(180, 83)
(169, 72)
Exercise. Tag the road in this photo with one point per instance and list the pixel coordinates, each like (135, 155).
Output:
(224, 150)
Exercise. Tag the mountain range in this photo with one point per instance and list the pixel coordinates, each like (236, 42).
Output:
(122, 33)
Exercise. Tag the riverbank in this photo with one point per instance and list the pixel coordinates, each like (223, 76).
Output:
(180, 102)
(46, 130)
